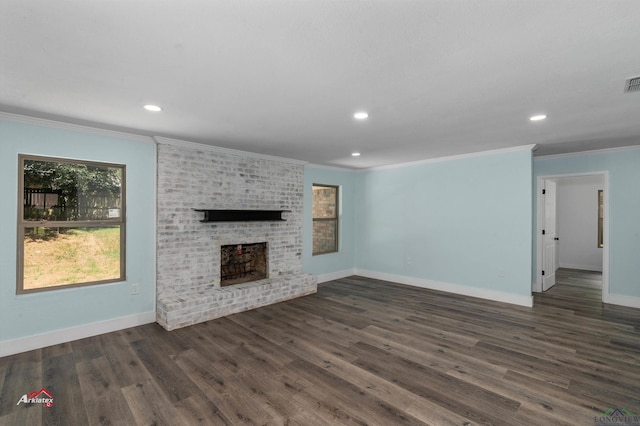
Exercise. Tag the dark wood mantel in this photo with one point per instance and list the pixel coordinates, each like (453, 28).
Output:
(241, 215)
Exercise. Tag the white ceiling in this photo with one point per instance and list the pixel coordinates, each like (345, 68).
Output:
(284, 77)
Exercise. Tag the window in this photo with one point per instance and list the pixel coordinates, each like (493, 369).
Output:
(600, 218)
(71, 223)
(325, 219)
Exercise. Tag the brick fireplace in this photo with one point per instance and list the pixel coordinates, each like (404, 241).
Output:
(190, 254)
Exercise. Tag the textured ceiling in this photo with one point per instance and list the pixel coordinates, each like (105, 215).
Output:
(284, 77)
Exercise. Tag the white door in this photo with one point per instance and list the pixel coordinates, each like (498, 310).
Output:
(549, 237)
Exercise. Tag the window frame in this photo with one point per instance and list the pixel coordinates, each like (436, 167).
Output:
(335, 219)
(23, 224)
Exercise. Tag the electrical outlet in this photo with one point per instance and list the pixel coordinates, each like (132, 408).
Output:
(135, 288)
(409, 260)
(501, 273)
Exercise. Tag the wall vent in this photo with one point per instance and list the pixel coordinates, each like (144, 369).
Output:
(632, 84)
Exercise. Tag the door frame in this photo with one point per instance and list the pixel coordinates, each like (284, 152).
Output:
(537, 285)
(544, 237)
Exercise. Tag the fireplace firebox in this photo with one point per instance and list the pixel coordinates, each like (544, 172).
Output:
(242, 263)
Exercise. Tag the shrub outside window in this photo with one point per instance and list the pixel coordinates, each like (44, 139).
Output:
(325, 219)
(71, 223)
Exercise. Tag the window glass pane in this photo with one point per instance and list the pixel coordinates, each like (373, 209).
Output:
(600, 218)
(63, 191)
(325, 236)
(62, 256)
(325, 202)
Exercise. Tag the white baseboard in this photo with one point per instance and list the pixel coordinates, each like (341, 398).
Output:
(618, 299)
(323, 278)
(11, 347)
(582, 267)
(497, 296)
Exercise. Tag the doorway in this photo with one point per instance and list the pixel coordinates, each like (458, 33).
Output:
(551, 251)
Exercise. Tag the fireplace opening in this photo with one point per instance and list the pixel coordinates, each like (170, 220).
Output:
(242, 263)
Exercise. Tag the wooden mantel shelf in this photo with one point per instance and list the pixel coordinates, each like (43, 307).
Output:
(241, 215)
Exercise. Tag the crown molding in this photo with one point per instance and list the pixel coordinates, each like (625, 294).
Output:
(593, 151)
(334, 168)
(453, 157)
(221, 150)
(73, 127)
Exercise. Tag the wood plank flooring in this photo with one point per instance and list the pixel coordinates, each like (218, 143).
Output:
(359, 352)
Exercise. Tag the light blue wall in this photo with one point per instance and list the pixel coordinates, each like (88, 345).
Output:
(457, 221)
(23, 316)
(344, 259)
(624, 209)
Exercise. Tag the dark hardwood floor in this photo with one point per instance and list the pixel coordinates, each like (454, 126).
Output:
(361, 351)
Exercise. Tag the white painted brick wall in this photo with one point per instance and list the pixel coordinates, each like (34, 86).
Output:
(188, 251)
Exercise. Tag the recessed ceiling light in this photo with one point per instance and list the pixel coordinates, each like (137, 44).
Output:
(152, 108)
(355, 154)
(537, 117)
(361, 115)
